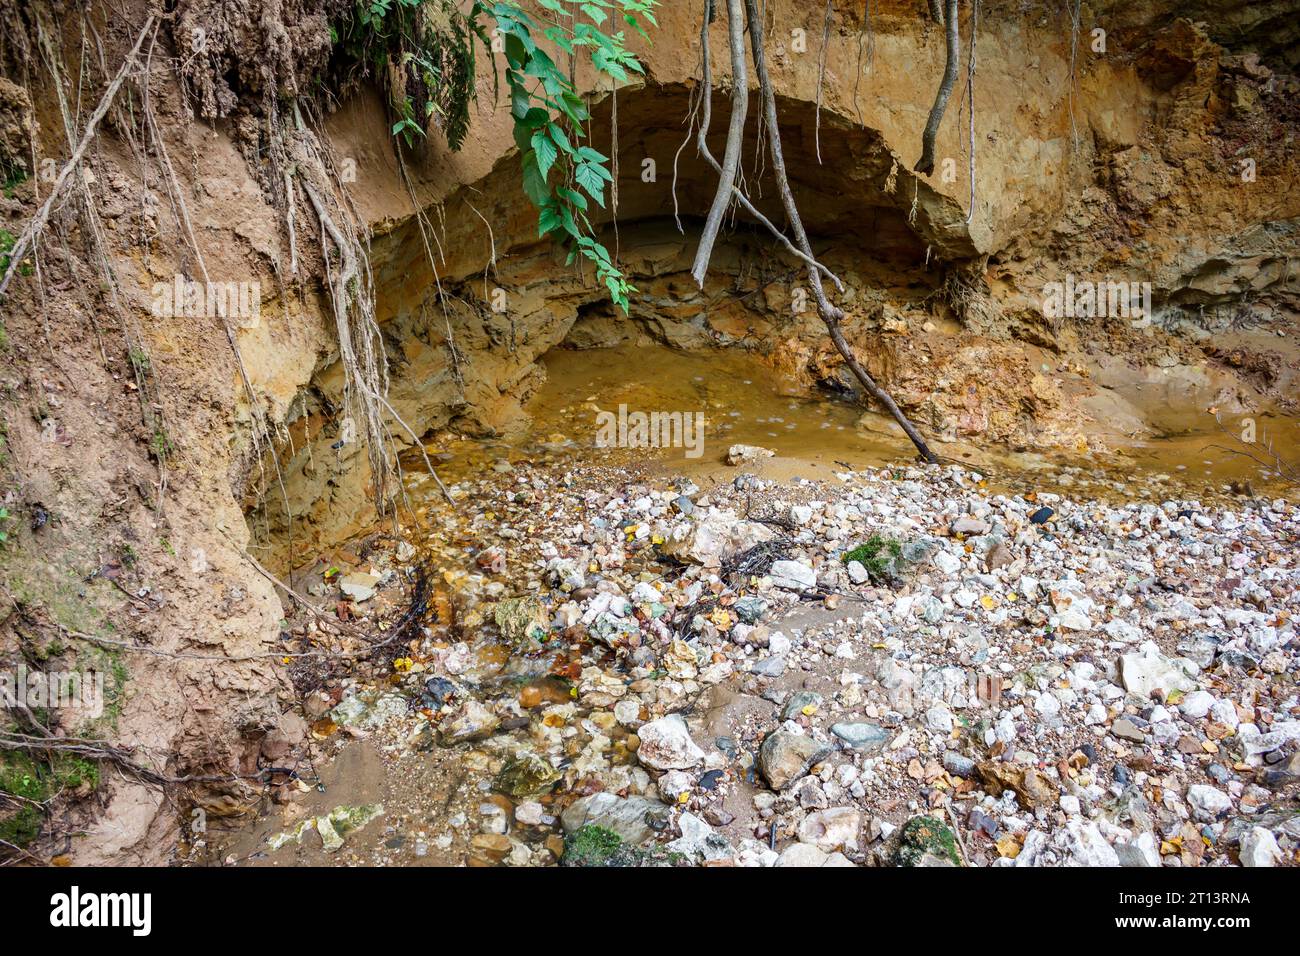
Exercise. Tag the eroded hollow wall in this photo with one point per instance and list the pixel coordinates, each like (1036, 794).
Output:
(1130, 176)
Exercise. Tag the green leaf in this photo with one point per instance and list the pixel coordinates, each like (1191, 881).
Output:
(535, 118)
(573, 196)
(589, 178)
(548, 219)
(571, 227)
(545, 150)
(534, 182)
(558, 137)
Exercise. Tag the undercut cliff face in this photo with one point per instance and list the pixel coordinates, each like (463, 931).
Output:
(146, 460)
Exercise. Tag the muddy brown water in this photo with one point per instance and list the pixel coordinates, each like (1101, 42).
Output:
(433, 798)
(741, 400)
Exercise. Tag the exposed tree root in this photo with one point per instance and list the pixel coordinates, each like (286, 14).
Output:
(970, 103)
(361, 347)
(25, 242)
(830, 314)
(705, 108)
(821, 79)
(925, 164)
(735, 136)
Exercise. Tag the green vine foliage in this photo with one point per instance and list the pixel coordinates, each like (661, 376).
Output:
(425, 51)
(561, 176)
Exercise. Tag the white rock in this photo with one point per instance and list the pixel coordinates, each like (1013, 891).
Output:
(1141, 851)
(628, 711)
(699, 841)
(667, 745)
(939, 719)
(793, 576)
(805, 854)
(530, 813)
(947, 562)
(1072, 619)
(1148, 670)
(1197, 704)
(739, 454)
(833, 829)
(857, 573)
(719, 535)
(674, 783)
(1225, 713)
(1258, 848)
(1207, 803)
(801, 514)
(1087, 847)
(1281, 733)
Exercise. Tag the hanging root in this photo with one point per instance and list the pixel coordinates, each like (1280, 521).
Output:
(1076, 11)
(735, 136)
(705, 107)
(27, 240)
(968, 298)
(925, 165)
(867, 46)
(821, 79)
(830, 314)
(361, 347)
(970, 103)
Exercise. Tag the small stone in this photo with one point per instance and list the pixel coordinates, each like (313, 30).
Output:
(862, 736)
(801, 703)
(1147, 671)
(957, 764)
(530, 813)
(741, 454)
(629, 817)
(968, 527)
(1126, 729)
(770, 666)
(1196, 705)
(833, 829)
(807, 855)
(784, 757)
(1087, 847)
(472, 721)
(360, 586)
